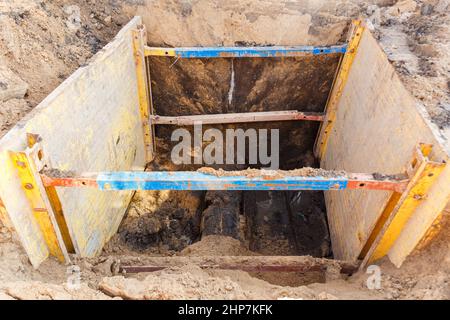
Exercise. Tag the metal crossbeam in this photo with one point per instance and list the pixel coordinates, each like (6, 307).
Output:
(238, 117)
(187, 180)
(242, 52)
(245, 263)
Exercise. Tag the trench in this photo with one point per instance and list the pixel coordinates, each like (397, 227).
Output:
(266, 222)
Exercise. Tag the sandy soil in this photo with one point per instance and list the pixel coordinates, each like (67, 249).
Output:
(252, 173)
(43, 42)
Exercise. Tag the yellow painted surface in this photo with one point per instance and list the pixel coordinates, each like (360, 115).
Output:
(40, 211)
(390, 206)
(91, 122)
(419, 227)
(17, 205)
(62, 224)
(434, 229)
(162, 52)
(337, 89)
(139, 39)
(378, 124)
(416, 193)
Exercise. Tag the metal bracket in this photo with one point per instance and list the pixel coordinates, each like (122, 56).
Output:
(422, 173)
(28, 164)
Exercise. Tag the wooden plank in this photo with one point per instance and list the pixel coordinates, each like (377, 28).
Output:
(288, 115)
(242, 52)
(337, 89)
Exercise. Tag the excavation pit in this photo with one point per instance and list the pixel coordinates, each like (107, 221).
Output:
(96, 122)
(271, 222)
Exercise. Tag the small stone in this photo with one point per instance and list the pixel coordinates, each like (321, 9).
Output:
(73, 21)
(186, 8)
(229, 287)
(178, 214)
(326, 296)
(442, 6)
(426, 9)
(108, 20)
(11, 86)
(371, 9)
(446, 106)
(402, 7)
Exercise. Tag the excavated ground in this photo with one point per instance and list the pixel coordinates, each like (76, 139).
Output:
(40, 47)
(274, 223)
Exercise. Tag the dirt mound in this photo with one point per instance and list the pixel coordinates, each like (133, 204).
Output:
(43, 291)
(42, 42)
(217, 246)
(191, 282)
(274, 174)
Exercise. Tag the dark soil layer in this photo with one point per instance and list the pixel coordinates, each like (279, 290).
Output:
(286, 223)
(199, 86)
(276, 223)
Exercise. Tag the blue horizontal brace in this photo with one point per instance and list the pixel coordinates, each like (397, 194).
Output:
(185, 180)
(241, 52)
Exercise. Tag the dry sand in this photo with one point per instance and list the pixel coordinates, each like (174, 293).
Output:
(39, 47)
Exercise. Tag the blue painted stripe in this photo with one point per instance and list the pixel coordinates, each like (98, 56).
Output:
(185, 180)
(262, 52)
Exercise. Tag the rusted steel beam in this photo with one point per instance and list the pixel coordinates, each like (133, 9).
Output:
(377, 182)
(288, 115)
(187, 180)
(57, 178)
(301, 264)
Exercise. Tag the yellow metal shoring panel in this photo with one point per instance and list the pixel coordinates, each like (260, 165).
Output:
(424, 172)
(42, 210)
(139, 41)
(431, 233)
(337, 89)
(59, 216)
